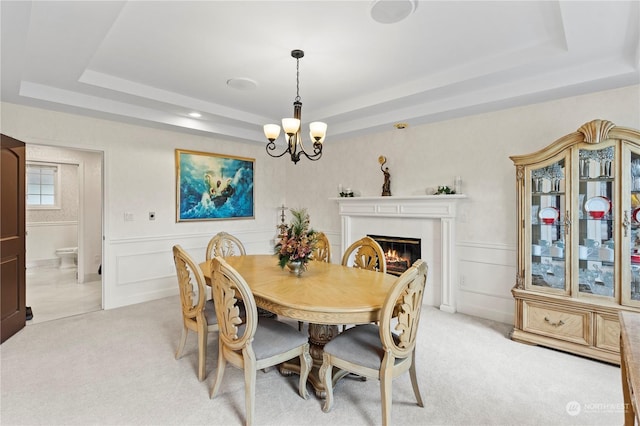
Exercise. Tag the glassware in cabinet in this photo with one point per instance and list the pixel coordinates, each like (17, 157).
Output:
(547, 227)
(631, 291)
(596, 222)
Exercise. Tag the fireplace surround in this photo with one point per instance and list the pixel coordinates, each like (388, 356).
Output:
(430, 218)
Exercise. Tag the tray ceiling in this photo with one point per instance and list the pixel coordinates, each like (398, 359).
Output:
(153, 63)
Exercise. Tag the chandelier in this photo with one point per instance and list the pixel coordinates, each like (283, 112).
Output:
(291, 126)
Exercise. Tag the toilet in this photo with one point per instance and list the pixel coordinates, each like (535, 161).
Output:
(68, 257)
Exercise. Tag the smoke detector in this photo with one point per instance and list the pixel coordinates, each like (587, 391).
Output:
(241, 83)
(391, 11)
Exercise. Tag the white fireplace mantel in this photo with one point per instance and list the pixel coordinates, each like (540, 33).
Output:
(427, 207)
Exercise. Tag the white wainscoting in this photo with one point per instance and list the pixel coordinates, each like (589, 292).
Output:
(44, 238)
(486, 274)
(142, 269)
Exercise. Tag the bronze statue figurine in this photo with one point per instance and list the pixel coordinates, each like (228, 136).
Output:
(386, 186)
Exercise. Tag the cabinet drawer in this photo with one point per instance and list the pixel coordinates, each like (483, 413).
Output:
(561, 323)
(607, 332)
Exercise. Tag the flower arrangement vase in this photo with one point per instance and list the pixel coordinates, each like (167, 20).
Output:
(296, 267)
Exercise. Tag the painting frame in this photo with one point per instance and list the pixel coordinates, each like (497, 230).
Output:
(211, 186)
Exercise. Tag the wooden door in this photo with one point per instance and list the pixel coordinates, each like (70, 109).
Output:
(12, 237)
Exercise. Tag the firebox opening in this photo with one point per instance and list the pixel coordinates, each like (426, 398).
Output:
(399, 252)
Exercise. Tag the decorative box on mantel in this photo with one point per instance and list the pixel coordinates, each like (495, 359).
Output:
(431, 218)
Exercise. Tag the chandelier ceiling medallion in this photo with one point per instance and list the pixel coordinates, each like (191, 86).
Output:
(291, 126)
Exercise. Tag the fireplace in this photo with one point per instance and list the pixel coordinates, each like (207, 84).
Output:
(432, 218)
(399, 252)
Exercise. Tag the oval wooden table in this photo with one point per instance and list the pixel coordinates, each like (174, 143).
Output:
(325, 296)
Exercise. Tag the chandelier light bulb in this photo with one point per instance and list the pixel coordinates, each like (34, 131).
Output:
(314, 139)
(290, 125)
(318, 130)
(271, 131)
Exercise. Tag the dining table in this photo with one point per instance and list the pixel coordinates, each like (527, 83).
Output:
(325, 295)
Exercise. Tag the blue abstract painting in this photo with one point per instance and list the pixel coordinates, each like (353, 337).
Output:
(213, 186)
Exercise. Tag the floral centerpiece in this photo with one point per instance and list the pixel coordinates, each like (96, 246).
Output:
(297, 242)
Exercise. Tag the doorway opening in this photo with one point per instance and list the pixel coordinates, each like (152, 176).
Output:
(64, 243)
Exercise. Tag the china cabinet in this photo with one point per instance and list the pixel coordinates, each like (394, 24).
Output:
(578, 218)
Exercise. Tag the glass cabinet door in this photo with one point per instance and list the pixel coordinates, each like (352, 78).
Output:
(548, 208)
(596, 249)
(631, 286)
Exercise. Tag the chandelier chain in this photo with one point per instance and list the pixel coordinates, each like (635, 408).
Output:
(297, 79)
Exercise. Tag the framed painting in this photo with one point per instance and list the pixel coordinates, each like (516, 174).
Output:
(213, 186)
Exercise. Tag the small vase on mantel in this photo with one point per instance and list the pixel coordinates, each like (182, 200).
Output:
(296, 267)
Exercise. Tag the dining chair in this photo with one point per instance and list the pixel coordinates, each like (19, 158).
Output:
(224, 244)
(322, 252)
(365, 253)
(252, 345)
(378, 352)
(198, 314)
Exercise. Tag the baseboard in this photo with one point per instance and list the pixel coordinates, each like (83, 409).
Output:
(43, 263)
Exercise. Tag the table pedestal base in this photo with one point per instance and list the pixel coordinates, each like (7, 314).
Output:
(319, 335)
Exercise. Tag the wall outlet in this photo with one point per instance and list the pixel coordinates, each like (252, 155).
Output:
(152, 215)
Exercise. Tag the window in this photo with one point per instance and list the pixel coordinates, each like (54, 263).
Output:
(43, 183)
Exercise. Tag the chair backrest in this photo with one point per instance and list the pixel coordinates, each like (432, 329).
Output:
(322, 252)
(404, 302)
(188, 271)
(368, 255)
(224, 244)
(228, 285)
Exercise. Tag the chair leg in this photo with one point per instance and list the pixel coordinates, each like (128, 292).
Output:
(249, 391)
(183, 341)
(386, 381)
(202, 353)
(414, 380)
(219, 373)
(305, 367)
(327, 381)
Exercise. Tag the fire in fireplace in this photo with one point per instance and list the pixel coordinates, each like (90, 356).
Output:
(399, 252)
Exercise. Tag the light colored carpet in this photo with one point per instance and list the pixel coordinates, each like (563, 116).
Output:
(117, 367)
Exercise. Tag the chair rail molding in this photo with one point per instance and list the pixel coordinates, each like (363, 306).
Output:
(383, 214)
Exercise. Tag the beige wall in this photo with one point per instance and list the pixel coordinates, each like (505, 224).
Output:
(477, 148)
(140, 177)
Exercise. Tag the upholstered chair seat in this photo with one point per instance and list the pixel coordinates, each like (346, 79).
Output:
(361, 345)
